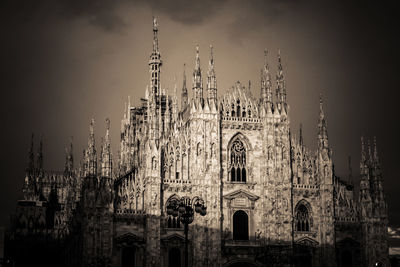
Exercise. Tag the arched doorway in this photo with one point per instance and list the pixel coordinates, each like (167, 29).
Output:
(240, 225)
(128, 257)
(174, 257)
(347, 259)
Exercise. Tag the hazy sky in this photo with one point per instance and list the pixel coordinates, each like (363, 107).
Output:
(63, 62)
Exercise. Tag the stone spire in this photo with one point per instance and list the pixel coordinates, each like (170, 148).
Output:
(301, 143)
(375, 156)
(184, 95)
(39, 164)
(91, 156)
(31, 157)
(266, 86)
(281, 86)
(363, 154)
(175, 102)
(365, 194)
(155, 37)
(155, 63)
(197, 80)
(69, 159)
(322, 126)
(106, 155)
(211, 78)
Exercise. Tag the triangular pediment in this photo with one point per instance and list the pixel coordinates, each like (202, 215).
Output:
(241, 194)
(128, 238)
(306, 241)
(173, 237)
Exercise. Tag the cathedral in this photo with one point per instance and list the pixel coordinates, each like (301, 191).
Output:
(261, 198)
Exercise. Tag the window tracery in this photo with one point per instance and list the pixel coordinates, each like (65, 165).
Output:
(237, 168)
(303, 220)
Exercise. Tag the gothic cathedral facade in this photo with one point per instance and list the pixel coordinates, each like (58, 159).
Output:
(270, 200)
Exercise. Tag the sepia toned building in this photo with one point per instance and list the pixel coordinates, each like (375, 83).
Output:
(270, 201)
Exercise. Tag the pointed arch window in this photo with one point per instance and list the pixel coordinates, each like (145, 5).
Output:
(303, 220)
(237, 164)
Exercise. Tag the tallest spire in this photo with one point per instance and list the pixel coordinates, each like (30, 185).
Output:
(155, 38)
(155, 63)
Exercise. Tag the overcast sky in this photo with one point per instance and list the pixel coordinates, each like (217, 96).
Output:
(63, 62)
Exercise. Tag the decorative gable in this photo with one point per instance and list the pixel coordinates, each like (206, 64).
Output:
(241, 198)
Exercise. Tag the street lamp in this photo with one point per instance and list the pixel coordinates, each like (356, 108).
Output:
(184, 209)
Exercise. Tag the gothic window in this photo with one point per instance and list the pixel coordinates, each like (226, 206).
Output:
(240, 225)
(249, 111)
(173, 222)
(303, 218)
(233, 110)
(178, 168)
(237, 168)
(238, 108)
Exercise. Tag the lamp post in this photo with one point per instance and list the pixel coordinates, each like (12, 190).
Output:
(184, 209)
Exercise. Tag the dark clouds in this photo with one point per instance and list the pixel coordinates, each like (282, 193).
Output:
(63, 61)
